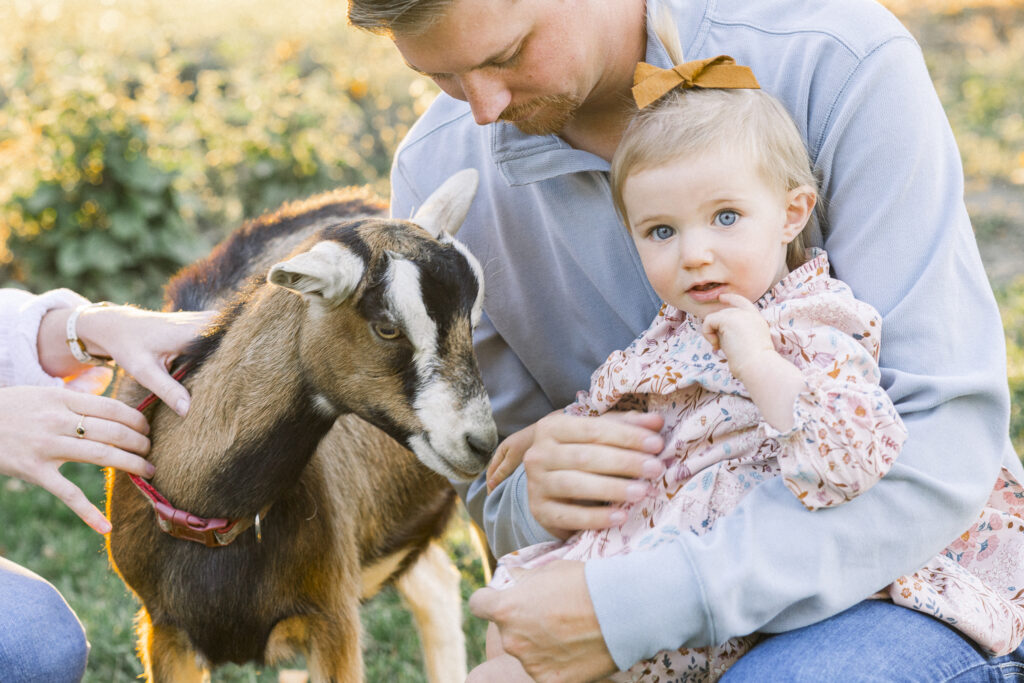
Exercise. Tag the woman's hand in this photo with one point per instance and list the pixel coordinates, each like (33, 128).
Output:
(579, 469)
(38, 434)
(144, 343)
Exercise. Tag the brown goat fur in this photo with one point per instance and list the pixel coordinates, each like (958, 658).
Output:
(284, 390)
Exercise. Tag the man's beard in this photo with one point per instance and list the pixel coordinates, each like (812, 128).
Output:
(550, 114)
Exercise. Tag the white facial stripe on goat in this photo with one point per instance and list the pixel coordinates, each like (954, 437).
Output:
(405, 298)
(478, 271)
(447, 417)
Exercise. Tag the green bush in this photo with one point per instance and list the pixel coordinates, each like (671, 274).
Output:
(109, 221)
(128, 157)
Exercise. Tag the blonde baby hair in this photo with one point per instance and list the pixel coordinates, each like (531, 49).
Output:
(694, 121)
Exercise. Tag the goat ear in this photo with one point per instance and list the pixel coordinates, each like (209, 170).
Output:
(329, 270)
(446, 208)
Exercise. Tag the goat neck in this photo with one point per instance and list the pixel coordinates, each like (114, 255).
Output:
(253, 423)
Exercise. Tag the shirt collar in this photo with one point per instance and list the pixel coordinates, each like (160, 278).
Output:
(525, 159)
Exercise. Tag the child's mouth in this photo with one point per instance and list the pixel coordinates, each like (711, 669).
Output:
(706, 292)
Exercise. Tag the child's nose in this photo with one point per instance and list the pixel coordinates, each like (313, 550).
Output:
(694, 249)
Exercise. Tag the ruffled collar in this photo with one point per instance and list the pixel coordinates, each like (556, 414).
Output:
(673, 354)
(801, 281)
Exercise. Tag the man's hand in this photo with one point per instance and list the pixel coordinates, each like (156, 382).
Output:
(547, 621)
(579, 469)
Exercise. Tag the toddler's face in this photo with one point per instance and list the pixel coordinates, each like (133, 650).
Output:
(709, 225)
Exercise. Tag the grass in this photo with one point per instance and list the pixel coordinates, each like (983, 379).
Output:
(974, 49)
(52, 541)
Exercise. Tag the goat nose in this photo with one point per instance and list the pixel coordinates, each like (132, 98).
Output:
(482, 445)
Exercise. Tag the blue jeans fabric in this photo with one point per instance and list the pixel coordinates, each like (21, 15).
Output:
(41, 639)
(874, 640)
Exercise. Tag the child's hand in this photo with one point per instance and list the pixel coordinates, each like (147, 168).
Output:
(739, 331)
(508, 456)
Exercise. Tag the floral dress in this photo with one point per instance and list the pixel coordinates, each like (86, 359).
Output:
(845, 437)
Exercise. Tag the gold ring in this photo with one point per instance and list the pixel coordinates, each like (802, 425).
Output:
(80, 429)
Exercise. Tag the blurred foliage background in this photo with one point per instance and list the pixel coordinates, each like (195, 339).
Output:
(134, 134)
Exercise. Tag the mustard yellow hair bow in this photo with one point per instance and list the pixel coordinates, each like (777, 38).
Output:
(651, 82)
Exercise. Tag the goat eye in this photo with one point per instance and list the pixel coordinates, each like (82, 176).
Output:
(385, 331)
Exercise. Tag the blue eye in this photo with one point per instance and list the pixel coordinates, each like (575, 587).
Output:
(662, 232)
(726, 218)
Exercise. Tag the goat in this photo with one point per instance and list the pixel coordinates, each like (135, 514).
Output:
(308, 394)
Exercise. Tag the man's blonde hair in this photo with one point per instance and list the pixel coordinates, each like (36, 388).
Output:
(689, 123)
(390, 17)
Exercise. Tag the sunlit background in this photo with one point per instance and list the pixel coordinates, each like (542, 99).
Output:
(135, 133)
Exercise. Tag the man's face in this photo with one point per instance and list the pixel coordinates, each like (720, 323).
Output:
(521, 61)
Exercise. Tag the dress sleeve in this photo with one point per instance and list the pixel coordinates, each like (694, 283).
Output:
(20, 315)
(846, 432)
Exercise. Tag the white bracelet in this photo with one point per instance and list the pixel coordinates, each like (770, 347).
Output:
(75, 345)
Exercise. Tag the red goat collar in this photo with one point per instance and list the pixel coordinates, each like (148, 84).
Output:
(212, 532)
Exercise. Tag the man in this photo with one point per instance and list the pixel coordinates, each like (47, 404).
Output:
(536, 98)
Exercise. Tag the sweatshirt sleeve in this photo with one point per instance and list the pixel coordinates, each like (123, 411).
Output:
(20, 316)
(894, 187)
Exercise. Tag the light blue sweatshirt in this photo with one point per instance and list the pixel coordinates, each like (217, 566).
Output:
(565, 287)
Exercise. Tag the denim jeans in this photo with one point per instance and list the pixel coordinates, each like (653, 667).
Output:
(874, 641)
(41, 639)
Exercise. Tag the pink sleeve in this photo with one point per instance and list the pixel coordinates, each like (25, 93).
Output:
(846, 437)
(846, 431)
